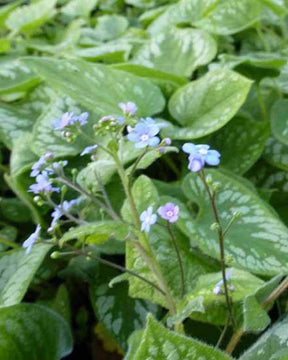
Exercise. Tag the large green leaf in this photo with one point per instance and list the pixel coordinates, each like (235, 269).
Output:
(276, 153)
(17, 271)
(97, 232)
(177, 51)
(215, 305)
(120, 314)
(27, 18)
(110, 27)
(33, 332)
(167, 82)
(207, 104)
(241, 142)
(159, 343)
(77, 8)
(279, 121)
(98, 87)
(5, 10)
(185, 11)
(257, 241)
(18, 119)
(273, 341)
(15, 76)
(231, 16)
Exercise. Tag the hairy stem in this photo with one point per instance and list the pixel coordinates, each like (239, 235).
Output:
(178, 257)
(221, 245)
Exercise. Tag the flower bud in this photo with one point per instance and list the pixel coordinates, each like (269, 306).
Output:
(209, 180)
(216, 186)
(167, 141)
(232, 288)
(215, 226)
(55, 255)
(217, 290)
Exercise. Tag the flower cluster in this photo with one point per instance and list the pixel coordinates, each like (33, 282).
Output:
(169, 212)
(199, 155)
(69, 119)
(61, 210)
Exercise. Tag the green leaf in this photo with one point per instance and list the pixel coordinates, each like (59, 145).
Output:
(159, 343)
(84, 83)
(133, 342)
(185, 11)
(279, 120)
(177, 51)
(246, 137)
(5, 10)
(97, 232)
(257, 241)
(109, 53)
(270, 343)
(15, 76)
(17, 271)
(33, 331)
(215, 305)
(120, 314)
(279, 7)
(207, 104)
(276, 153)
(231, 16)
(13, 209)
(255, 317)
(28, 18)
(80, 8)
(144, 194)
(110, 27)
(167, 82)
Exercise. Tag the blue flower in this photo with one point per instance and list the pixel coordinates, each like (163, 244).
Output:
(65, 120)
(60, 210)
(40, 165)
(199, 155)
(129, 108)
(147, 219)
(31, 240)
(82, 119)
(56, 167)
(88, 150)
(169, 212)
(43, 185)
(143, 134)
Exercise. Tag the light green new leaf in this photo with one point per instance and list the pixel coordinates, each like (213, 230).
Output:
(15, 76)
(276, 153)
(279, 120)
(257, 241)
(5, 10)
(241, 143)
(98, 87)
(28, 18)
(207, 104)
(120, 314)
(159, 343)
(17, 271)
(177, 51)
(273, 341)
(231, 16)
(31, 331)
(98, 232)
(79, 8)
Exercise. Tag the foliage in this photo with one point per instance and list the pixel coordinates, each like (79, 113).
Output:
(108, 235)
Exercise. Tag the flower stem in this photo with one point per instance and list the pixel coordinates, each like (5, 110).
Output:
(261, 102)
(178, 257)
(146, 252)
(221, 245)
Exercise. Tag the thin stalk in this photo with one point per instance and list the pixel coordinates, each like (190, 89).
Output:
(146, 252)
(221, 245)
(236, 337)
(178, 257)
(82, 191)
(134, 168)
(223, 333)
